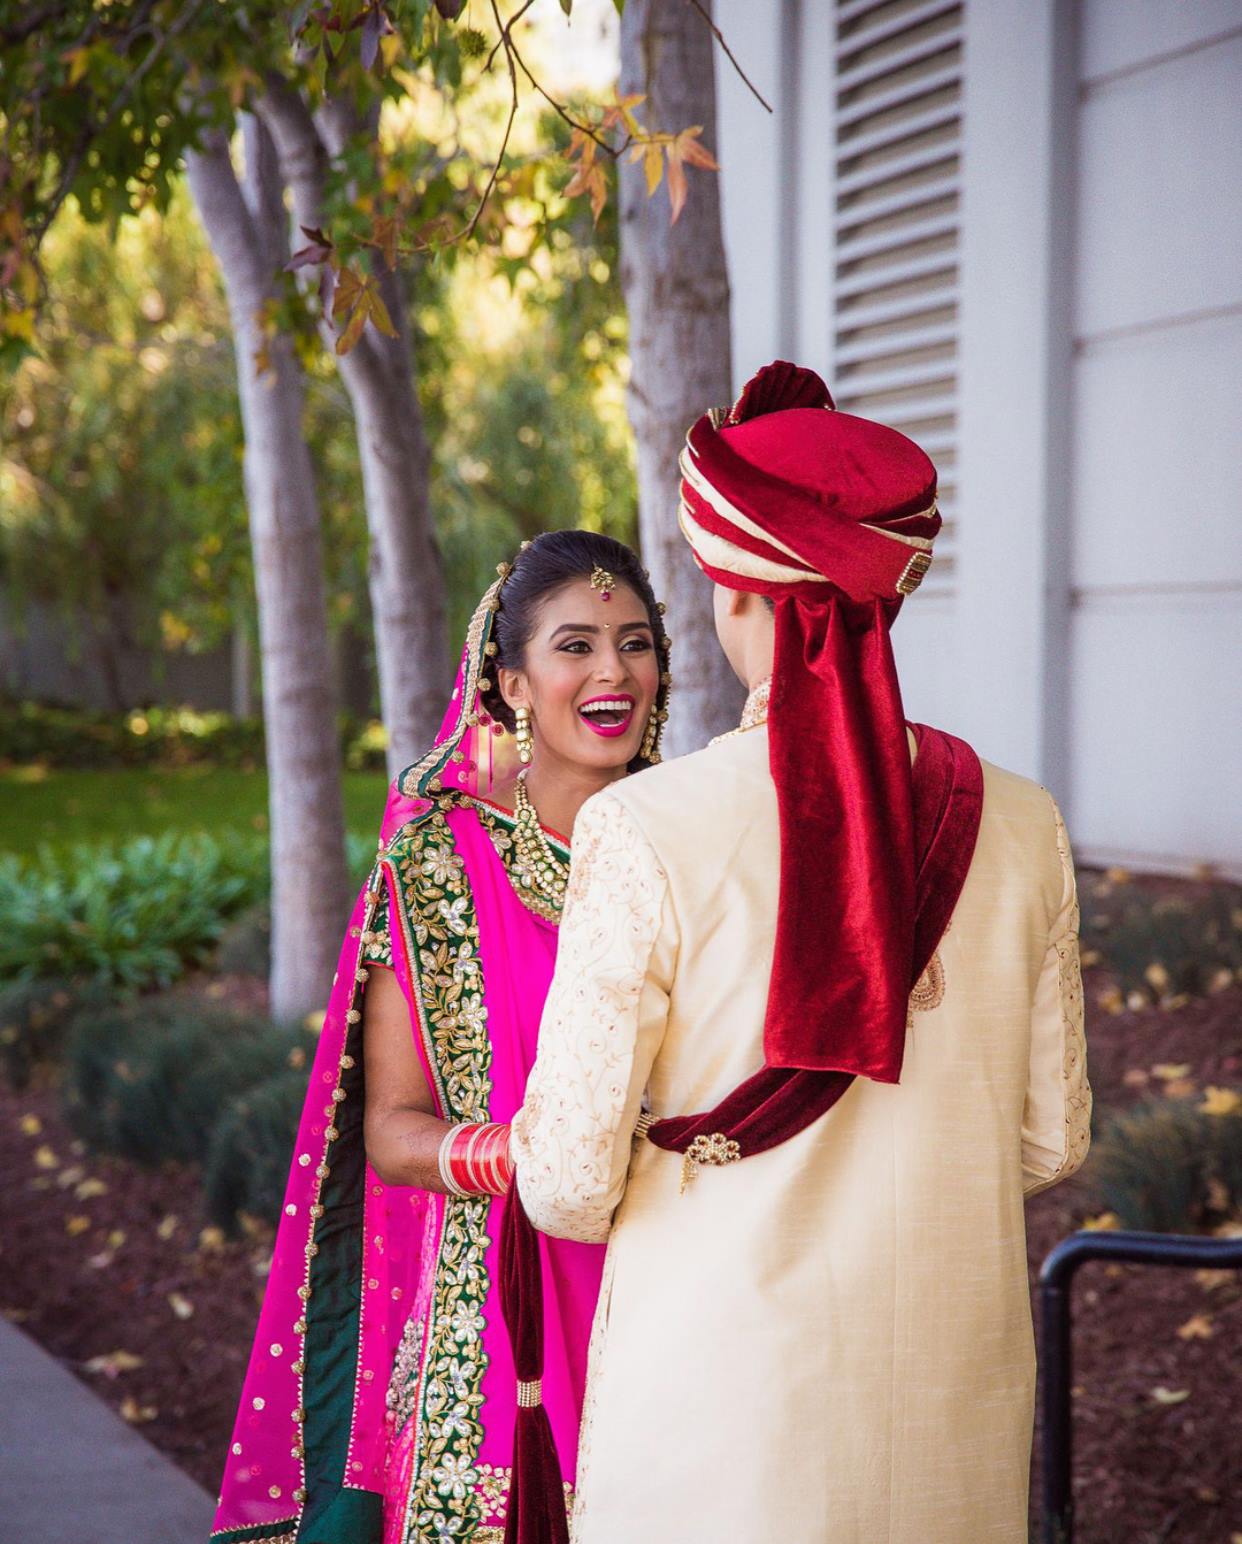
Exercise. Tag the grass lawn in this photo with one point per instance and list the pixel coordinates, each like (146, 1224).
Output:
(62, 808)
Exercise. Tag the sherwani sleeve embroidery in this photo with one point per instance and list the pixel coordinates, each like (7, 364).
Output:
(1056, 1122)
(602, 1024)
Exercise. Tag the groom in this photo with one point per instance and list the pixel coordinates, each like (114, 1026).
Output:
(815, 1031)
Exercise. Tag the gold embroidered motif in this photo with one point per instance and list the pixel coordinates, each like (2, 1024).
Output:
(754, 712)
(928, 990)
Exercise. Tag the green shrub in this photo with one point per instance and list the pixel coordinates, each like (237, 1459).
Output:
(132, 915)
(148, 1080)
(34, 1020)
(1163, 945)
(1166, 1167)
(248, 1161)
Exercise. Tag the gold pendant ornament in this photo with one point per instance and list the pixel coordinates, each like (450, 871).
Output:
(603, 581)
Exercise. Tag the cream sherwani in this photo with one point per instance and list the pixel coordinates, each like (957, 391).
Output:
(830, 1341)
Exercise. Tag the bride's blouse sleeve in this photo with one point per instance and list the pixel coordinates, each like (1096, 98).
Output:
(602, 1026)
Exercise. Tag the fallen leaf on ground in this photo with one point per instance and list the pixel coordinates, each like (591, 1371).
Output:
(89, 1188)
(1137, 1001)
(70, 1176)
(116, 1238)
(102, 1260)
(1136, 1077)
(45, 1158)
(76, 1225)
(1181, 1088)
(1111, 1000)
(168, 1226)
(211, 1238)
(1106, 1222)
(30, 1125)
(1197, 1327)
(112, 1363)
(184, 1308)
(1220, 1101)
(1170, 1072)
(135, 1413)
(1163, 1396)
(1210, 1280)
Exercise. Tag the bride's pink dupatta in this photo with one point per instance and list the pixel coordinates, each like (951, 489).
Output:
(380, 1400)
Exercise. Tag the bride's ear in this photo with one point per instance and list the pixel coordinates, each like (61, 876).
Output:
(513, 687)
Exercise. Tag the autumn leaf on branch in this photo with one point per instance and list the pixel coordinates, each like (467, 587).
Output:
(358, 298)
(684, 151)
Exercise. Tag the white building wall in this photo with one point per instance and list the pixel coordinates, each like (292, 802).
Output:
(1087, 626)
(1156, 566)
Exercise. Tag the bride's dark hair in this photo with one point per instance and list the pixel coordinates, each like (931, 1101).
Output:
(547, 564)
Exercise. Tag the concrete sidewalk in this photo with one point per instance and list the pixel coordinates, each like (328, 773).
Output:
(72, 1472)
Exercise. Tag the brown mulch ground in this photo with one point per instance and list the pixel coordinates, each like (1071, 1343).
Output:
(89, 1272)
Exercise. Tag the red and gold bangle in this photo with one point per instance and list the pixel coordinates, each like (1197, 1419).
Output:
(474, 1160)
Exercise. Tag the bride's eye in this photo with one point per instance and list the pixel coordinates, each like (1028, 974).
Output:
(575, 646)
(636, 645)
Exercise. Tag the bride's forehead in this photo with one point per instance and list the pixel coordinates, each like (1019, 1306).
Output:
(577, 601)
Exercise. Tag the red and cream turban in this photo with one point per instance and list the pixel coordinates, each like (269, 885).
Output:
(832, 517)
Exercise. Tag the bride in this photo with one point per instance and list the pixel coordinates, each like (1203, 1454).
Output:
(380, 1400)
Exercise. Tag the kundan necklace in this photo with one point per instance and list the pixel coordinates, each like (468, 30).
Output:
(548, 873)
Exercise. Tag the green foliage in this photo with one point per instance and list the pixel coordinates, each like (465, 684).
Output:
(131, 915)
(248, 1161)
(1167, 1167)
(149, 1080)
(1163, 945)
(34, 1021)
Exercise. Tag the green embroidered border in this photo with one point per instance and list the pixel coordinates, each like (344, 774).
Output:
(437, 918)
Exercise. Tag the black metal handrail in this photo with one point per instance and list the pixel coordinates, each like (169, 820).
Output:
(1056, 1278)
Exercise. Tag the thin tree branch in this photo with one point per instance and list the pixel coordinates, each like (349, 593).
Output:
(506, 32)
(720, 38)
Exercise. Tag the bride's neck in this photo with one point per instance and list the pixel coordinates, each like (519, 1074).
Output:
(559, 792)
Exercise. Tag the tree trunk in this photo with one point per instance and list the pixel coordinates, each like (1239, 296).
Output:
(246, 225)
(676, 289)
(405, 574)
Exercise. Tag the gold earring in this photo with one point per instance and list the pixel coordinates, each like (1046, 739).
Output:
(650, 748)
(522, 715)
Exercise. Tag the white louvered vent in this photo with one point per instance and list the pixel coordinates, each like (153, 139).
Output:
(898, 145)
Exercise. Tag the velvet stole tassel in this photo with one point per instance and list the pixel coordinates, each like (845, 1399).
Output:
(536, 1491)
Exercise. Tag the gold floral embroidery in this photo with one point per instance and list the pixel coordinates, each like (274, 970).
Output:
(440, 929)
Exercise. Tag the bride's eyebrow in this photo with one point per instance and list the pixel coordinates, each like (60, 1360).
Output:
(590, 627)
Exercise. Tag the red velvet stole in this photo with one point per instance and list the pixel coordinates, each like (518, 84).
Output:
(779, 1102)
(767, 1109)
